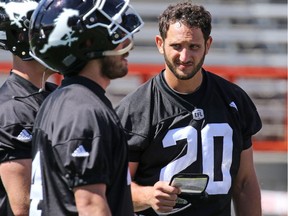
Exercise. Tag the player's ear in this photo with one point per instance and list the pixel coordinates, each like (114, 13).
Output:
(208, 44)
(159, 43)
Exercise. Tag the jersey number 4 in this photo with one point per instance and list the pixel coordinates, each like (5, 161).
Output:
(36, 193)
(214, 136)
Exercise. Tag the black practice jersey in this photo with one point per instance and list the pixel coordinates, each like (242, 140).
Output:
(203, 132)
(19, 103)
(78, 141)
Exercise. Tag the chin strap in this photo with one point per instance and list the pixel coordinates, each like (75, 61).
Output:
(119, 52)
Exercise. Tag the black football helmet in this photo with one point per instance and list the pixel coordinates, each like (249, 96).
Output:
(64, 35)
(14, 23)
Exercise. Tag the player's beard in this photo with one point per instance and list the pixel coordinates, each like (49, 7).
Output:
(113, 68)
(173, 68)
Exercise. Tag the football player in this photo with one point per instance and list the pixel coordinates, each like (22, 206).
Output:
(187, 120)
(20, 98)
(80, 160)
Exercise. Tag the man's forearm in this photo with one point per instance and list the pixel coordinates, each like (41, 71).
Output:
(140, 196)
(247, 200)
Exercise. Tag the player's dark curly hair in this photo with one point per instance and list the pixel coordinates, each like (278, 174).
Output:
(188, 14)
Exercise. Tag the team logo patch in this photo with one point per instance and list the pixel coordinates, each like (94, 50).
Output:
(232, 104)
(24, 136)
(198, 114)
(3, 35)
(80, 152)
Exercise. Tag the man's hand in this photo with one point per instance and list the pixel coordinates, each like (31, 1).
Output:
(163, 197)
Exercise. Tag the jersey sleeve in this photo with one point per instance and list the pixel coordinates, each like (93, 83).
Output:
(135, 115)
(85, 152)
(246, 114)
(16, 131)
(250, 119)
(84, 161)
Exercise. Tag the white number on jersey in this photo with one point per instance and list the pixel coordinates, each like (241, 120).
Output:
(36, 193)
(208, 134)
